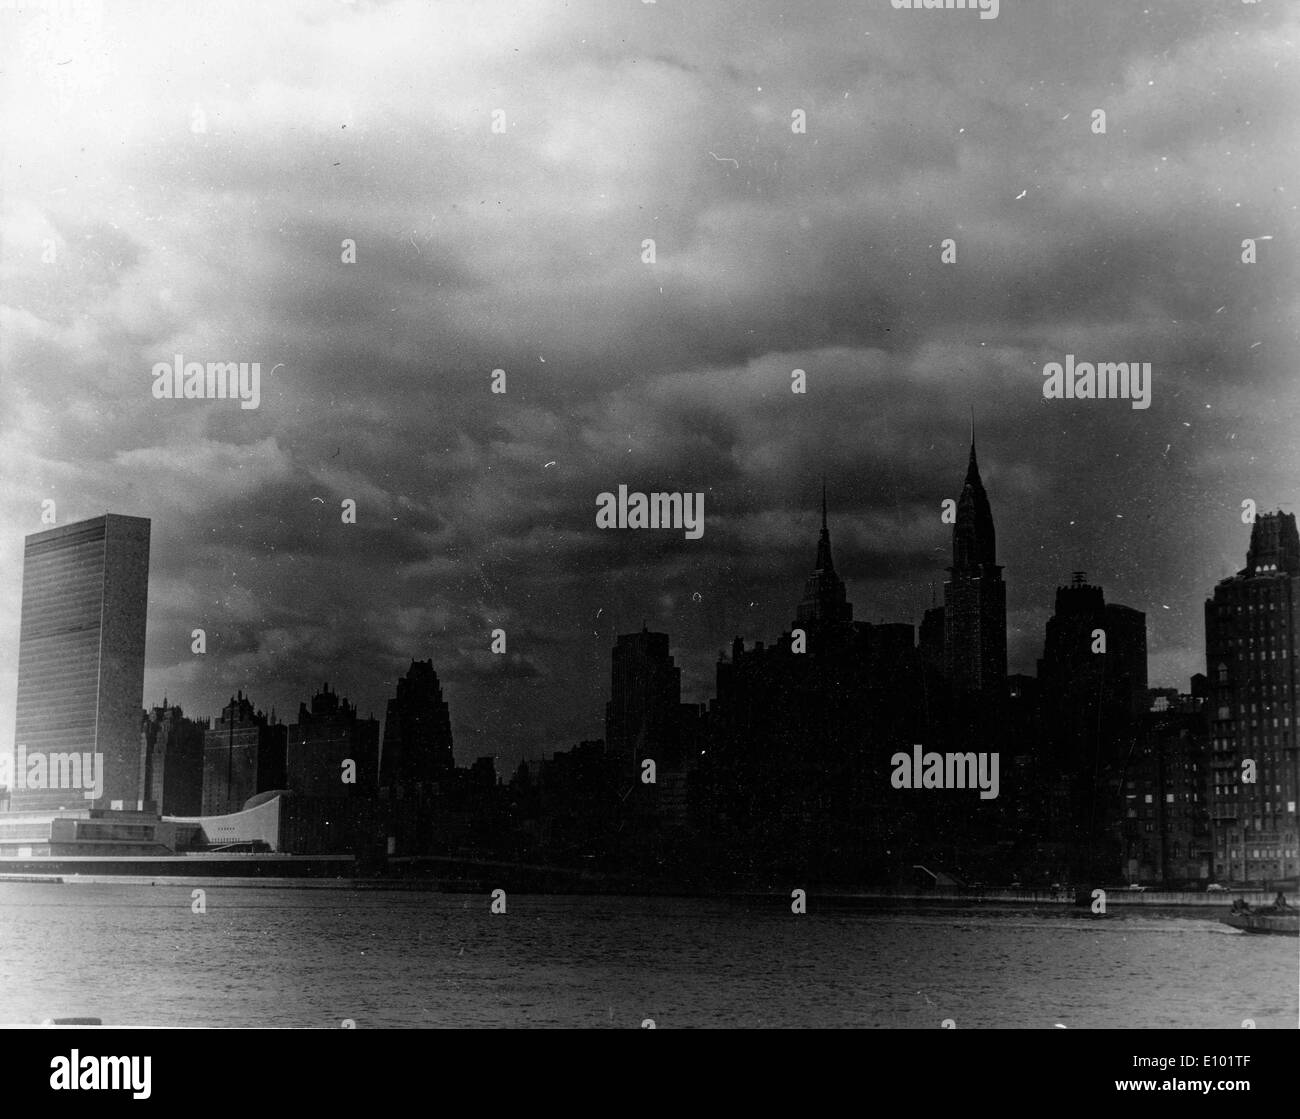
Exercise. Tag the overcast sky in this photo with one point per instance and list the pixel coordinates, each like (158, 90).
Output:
(179, 179)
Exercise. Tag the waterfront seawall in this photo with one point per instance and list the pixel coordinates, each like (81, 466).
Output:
(1042, 897)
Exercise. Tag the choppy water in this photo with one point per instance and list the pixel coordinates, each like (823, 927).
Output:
(138, 955)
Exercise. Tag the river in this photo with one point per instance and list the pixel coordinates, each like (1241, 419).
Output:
(136, 955)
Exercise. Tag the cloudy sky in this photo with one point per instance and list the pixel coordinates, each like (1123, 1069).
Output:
(180, 179)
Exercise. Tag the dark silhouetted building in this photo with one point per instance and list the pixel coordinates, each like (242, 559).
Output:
(326, 737)
(1092, 681)
(171, 748)
(243, 755)
(795, 775)
(81, 663)
(642, 715)
(417, 749)
(931, 641)
(975, 599)
(825, 600)
(1165, 822)
(417, 772)
(1076, 677)
(566, 806)
(1251, 626)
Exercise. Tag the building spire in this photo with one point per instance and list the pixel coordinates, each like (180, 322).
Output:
(973, 536)
(824, 598)
(975, 610)
(972, 465)
(824, 562)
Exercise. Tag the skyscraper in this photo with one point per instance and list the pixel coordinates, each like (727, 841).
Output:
(1094, 658)
(930, 639)
(243, 755)
(825, 601)
(326, 737)
(171, 750)
(1165, 829)
(975, 598)
(1092, 682)
(641, 717)
(1251, 626)
(417, 732)
(81, 665)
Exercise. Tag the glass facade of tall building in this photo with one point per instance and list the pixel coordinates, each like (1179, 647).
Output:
(81, 666)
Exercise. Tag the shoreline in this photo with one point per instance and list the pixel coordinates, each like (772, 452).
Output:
(842, 898)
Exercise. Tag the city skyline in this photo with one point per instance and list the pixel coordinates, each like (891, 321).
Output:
(822, 582)
(783, 763)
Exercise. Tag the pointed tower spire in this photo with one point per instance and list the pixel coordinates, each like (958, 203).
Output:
(972, 465)
(973, 538)
(824, 562)
(824, 595)
(975, 613)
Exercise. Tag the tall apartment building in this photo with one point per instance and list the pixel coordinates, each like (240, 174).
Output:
(643, 712)
(1162, 781)
(326, 737)
(1092, 692)
(1094, 662)
(1251, 625)
(171, 753)
(243, 755)
(81, 665)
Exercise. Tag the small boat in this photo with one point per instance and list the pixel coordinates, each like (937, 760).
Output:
(1282, 922)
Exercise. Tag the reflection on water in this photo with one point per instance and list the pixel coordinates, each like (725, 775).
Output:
(138, 955)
